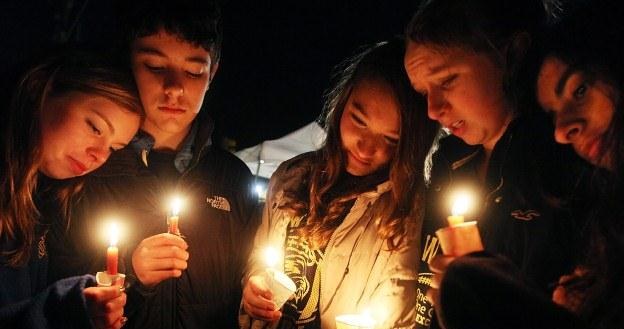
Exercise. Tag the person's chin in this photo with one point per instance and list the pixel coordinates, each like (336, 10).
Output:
(358, 171)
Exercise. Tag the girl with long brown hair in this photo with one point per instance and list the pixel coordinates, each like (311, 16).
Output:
(346, 215)
(66, 117)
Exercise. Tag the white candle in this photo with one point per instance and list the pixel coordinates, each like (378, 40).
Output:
(461, 204)
(277, 281)
(173, 219)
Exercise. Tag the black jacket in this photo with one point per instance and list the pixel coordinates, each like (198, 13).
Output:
(26, 299)
(529, 209)
(216, 221)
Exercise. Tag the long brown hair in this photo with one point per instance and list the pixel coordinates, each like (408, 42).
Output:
(402, 205)
(70, 72)
(588, 39)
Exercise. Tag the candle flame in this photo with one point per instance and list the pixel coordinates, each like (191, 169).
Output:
(113, 234)
(462, 201)
(271, 256)
(176, 204)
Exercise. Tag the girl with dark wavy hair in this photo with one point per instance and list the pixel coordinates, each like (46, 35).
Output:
(347, 215)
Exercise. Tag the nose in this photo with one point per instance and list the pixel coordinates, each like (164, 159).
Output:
(367, 146)
(98, 154)
(567, 132)
(173, 85)
(436, 105)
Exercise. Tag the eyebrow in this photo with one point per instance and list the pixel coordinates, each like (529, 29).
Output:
(154, 51)
(564, 80)
(437, 69)
(361, 110)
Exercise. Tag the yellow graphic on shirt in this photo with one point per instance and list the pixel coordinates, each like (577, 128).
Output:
(299, 260)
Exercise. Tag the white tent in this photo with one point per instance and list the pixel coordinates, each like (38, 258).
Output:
(264, 158)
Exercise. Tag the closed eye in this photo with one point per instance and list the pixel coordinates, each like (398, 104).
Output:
(94, 128)
(154, 68)
(391, 141)
(358, 121)
(448, 81)
(195, 75)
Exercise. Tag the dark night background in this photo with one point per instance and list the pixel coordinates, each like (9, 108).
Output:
(276, 62)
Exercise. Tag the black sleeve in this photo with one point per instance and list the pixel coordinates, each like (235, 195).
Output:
(484, 291)
(74, 246)
(60, 305)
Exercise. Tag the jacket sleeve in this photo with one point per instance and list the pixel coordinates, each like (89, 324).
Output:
(394, 299)
(255, 263)
(488, 291)
(60, 305)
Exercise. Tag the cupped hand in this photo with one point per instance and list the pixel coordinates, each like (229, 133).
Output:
(257, 300)
(105, 306)
(160, 257)
(438, 266)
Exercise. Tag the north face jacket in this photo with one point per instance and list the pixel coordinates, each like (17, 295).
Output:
(216, 221)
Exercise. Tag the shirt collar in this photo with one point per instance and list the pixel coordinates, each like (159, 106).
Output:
(143, 143)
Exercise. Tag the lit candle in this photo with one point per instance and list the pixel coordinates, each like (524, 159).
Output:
(461, 204)
(355, 321)
(271, 256)
(112, 253)
(172, 221)
(278, 282)
(460, 237)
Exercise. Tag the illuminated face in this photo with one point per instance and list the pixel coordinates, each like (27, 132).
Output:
(172, 76)
(581, 107)
(79, 131)
(464, 91)
(369, 127)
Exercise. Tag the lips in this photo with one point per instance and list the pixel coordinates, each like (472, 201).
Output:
(77, 167)
(360, 161)
(592, 149)
(455, 127)
(171, 110)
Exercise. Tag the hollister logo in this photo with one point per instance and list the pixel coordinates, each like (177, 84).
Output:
(219, 202)
(525, 214)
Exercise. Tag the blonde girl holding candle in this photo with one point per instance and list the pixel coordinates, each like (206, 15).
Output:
(67, 116)
(346, 216)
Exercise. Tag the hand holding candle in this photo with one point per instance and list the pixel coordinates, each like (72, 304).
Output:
(460, 237)
(266, 292)
(111, 275)
(278, 282)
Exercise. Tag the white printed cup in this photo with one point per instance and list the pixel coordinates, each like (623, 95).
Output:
(280, 285)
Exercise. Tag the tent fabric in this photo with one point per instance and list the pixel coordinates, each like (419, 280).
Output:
(264, 158)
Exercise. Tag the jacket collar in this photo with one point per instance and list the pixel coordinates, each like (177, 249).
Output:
(132, 159)
(143, 143)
